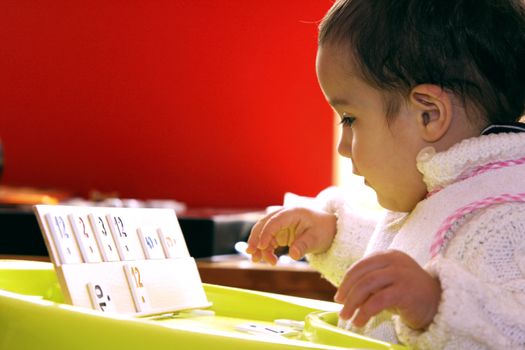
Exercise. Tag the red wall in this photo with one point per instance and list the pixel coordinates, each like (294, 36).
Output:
(214, 103)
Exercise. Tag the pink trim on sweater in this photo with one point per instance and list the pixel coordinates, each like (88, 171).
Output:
(491, 166)
(440, 238)
(480, 170)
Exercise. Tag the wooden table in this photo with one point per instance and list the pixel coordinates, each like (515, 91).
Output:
(297, 279)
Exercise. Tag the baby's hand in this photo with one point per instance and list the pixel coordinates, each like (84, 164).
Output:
(302, 230)
(389, 280)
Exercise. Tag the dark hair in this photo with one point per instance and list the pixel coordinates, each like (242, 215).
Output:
(473, 48)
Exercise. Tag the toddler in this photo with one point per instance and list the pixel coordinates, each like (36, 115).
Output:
(429, 94)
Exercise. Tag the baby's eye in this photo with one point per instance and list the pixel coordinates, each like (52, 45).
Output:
(347, 120)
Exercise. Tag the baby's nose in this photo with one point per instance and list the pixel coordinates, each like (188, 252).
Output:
(345, 148)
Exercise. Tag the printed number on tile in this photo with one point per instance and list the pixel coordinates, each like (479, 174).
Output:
(138, 290)
(150, 241)
(107, 246)
(100, 298)
(169, 244)
(85, 238)
(63, 239)
(122, 237)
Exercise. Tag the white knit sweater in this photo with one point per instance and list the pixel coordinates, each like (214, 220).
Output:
(481, 264)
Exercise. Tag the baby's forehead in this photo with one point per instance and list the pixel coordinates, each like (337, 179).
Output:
(343, 56)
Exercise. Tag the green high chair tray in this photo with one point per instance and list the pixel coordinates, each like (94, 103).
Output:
(33, 315)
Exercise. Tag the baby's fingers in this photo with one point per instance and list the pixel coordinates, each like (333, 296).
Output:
(285, 237)
(269, 256)
(357, 271)
(363, 289)
(301, 245)
(256, 256)
(383, 300)
(280, 228)
(257, 229)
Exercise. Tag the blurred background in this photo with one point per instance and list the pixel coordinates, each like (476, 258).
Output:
(208, 107)
(211, 103)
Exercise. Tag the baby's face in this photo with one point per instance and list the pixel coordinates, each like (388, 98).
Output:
(383, 153)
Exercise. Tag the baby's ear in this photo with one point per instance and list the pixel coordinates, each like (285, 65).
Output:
(433, 108)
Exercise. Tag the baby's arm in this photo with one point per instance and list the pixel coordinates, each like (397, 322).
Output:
(482, 276)
(303, 230)
(354, 231)
(330, 232)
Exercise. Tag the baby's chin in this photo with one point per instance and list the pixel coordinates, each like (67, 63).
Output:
(398, 204)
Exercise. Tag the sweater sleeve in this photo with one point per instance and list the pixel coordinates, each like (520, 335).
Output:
(482, 275)
(354, 229)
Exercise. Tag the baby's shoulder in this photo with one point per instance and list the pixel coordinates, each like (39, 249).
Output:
(495, 232)
(509, 216)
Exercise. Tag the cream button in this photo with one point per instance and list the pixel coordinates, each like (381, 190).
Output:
(426, 154)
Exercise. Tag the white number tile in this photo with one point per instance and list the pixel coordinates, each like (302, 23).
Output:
(121, 234)
(100, 297)
(63, 239)
(169, 243)
(107, 246)
(150, 242)
(138, 290)
(85, 238)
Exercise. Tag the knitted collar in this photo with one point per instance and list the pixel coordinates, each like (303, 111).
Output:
(470, 157)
